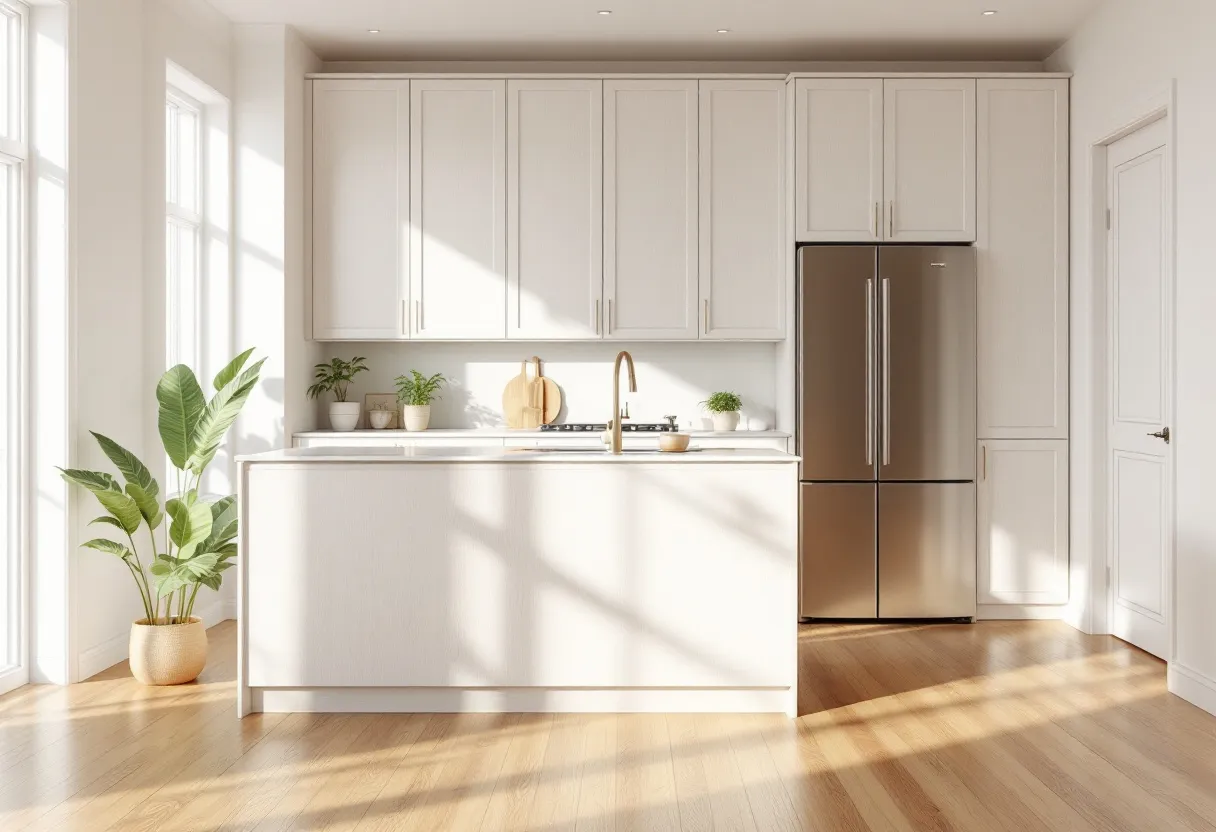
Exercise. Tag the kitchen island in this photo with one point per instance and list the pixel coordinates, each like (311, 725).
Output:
(475, 579)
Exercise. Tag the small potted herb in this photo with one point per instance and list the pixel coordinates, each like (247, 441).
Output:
(335, 377)
(724, 408)
(415, 392)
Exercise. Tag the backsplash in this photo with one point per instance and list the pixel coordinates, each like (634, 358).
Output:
(672, 378)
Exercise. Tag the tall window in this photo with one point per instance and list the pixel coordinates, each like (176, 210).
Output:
(14, 153)
(185, 212)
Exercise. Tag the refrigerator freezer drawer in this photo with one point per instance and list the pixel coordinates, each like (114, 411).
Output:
(927, 535)
(838, 546)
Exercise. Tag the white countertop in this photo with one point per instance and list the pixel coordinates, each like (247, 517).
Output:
(520, 455)
(508, 433)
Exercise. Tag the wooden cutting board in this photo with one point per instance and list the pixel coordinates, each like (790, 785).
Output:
(529, 401)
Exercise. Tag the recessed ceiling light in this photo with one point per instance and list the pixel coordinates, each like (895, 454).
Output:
(723, 31)
(989, 12)
(373, 31)
(604, 11)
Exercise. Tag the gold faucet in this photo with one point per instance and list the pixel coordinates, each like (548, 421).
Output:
(615, 424)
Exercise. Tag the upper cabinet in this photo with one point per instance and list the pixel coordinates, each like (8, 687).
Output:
(744, 257)
(555, 209)
(360, 208)
(885, 160)
(929, 176)
(458, 233)
(650, 209)
(1023, 258)
(838, 159)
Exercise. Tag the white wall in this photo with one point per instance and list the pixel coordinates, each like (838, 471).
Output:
(121, 50)
(1127, 52)
(672, 378)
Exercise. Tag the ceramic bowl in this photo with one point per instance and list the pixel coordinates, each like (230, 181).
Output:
(674, 443)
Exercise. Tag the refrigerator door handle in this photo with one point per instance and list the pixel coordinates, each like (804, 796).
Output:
(869, 371)
(886, 371)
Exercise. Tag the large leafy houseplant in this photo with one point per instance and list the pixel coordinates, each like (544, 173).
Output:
(198, 542)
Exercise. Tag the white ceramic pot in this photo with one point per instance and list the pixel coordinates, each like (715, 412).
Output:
(417, 416)
(344, 415)
(380, 419)
(726, 421)
(168, 654)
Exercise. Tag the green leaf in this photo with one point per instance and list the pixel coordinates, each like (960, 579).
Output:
(108, 546)
(230, 372)
(181, 405)
(212, 582)
(129, 465)
(223, 523)
(218, 416)
(108, 520)
(171, 582)
(92, 480)
(162, 566)
(123, 508)
(191, 526)
(200, 565)
(148, 505)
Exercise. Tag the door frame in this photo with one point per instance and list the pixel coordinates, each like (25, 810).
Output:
(1090, 577)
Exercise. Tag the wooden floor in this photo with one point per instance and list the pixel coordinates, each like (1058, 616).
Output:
(1000, 726)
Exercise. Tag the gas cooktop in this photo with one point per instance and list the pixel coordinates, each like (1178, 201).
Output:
(600, 427)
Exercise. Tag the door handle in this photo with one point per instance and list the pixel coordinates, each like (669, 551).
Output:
(869, 371)
(886, 371)
(1163, 435)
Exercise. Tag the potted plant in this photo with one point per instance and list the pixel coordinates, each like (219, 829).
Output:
(724, 408)
(335, 377)
(168, 644)
(415, 393)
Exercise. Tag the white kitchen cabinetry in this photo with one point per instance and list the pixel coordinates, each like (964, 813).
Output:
(555, 257)
(360, 208)
(458, 281)
(1023, 258)
(839, 159)
(744, 258)
(1023, 522)
(929, 175)
(650, 209)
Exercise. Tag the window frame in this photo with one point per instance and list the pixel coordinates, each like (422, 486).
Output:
(179, 217)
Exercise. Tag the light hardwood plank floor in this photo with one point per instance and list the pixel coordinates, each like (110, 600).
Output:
(1004, 726)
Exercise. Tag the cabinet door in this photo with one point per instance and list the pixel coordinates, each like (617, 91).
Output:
(360, 136)
(555, 272)
(1023, 259)
(743, 259)
(929, 175)
(838, 141)
(1023, 522)
(650, 208)
(458, 209)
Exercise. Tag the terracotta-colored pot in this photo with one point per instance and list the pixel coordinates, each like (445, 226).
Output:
(168, 654)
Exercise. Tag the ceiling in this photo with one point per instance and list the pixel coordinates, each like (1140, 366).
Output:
(804, 30)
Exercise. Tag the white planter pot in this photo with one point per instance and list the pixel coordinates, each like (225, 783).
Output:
(167, 654)
(417, 416)
(380, 419)
(726, 421)
(344, 415)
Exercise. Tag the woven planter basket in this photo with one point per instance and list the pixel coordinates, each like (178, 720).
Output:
(168, 654)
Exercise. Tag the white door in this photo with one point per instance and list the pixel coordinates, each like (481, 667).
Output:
(929, 175)
(1140, 325)
(1023, 522)
(458, 178)
(839, 159)
(360, 183)
(1023, 258)
(555, 209)
(744, 259)
(650, 210)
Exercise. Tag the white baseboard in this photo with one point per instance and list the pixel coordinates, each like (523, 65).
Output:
(105, 655)
(12, 679)
(523, 700)
(1193, 686)
(1020, 612)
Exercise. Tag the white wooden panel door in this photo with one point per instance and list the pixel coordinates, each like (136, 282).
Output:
(650, 210)
(360, 207)
(1023, 522)
(1023, 258)
(743, 259)
(1140, 325)
(555, 209)
(458, 205)
(929, 171)
(838, 140)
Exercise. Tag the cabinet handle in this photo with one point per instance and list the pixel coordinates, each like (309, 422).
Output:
(984, 463)
(877, 229)
(611, 321)
(886, 371)
(418, 315)
(596, 321)
(707, 316)
(870, 370)
(891, 221)
(405, 311)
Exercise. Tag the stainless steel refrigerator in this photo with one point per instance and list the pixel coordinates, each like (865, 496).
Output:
(887, 401)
